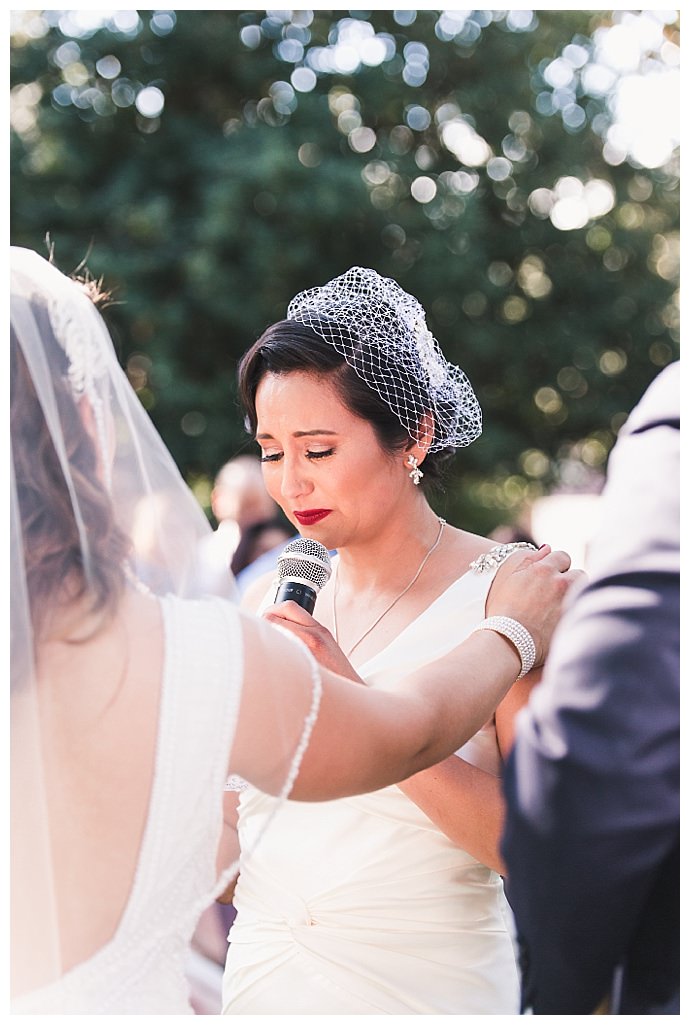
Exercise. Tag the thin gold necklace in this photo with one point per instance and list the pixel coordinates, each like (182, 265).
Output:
(395, 601)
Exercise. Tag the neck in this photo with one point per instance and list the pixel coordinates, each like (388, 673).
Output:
(382, 560)
(398, 594)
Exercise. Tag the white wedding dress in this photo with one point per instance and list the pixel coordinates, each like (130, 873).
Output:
(142, 970)
(362, 905)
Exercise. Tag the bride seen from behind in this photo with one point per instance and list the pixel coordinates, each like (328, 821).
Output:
(133, 696)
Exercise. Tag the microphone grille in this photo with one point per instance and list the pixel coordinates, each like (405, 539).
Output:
(307, 560)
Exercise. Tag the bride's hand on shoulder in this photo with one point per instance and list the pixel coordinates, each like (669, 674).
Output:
(531, 587)
(318, 639)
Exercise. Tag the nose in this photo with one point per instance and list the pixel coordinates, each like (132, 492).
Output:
(295, 482)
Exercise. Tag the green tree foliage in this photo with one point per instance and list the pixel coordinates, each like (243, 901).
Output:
(210, 164)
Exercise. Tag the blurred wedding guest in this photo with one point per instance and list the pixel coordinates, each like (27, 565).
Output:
(571, 517)
(206, 958)
(265, 563)
(593, 821)
(133, 696)
(391, 903)
(238, 500)
(258, 539)
(156, 522)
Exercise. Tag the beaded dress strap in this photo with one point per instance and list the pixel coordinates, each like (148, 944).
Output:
(237, 784)
(499, 553)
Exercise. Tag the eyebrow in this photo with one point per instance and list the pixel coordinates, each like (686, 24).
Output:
(298, 434)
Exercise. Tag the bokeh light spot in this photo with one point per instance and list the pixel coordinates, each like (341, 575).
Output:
(150, 101)
(423, 189)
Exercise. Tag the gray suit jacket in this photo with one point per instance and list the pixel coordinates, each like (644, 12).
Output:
(591, 840)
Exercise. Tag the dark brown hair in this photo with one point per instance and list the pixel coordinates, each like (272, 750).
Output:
(52, 547)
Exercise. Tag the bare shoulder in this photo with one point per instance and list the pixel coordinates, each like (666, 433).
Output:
(475, 545)
(143, 611)
(464, 546)
(458, 550)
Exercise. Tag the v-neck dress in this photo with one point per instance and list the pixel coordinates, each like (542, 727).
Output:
(362, 905)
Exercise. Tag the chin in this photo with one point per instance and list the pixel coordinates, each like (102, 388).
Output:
(319, 532)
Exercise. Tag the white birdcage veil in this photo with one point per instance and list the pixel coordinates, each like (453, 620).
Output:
(381, 332)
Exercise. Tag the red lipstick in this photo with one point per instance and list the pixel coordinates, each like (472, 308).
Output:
(307, 517)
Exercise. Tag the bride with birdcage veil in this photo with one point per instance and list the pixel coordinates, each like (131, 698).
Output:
(390, 902)
(133, 696)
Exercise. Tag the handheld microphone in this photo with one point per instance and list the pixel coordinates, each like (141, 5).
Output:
(304, 566)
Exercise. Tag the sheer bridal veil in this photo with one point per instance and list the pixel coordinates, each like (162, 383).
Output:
(98, 510)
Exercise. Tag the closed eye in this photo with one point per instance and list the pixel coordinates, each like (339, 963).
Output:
(274, 457)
